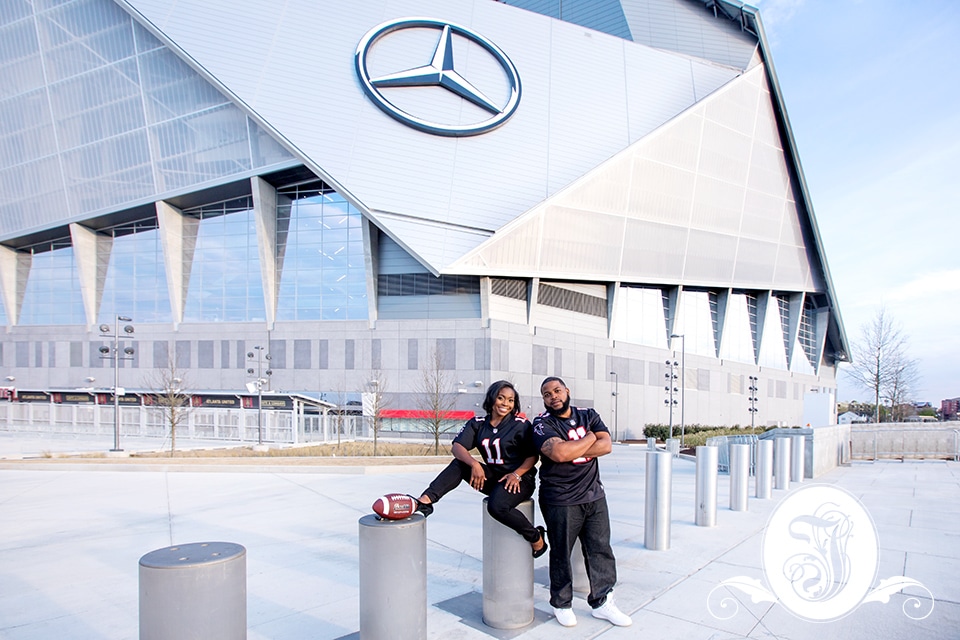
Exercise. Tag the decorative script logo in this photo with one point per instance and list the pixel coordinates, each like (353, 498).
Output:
(440, 71)
(820, 557)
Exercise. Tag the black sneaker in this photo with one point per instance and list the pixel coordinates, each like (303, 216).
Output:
(542, 550)
(423, 507)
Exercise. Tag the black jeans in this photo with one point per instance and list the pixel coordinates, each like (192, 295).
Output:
(501, 505)
(590, 523)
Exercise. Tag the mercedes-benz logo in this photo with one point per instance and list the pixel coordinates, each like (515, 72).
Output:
(439, 72)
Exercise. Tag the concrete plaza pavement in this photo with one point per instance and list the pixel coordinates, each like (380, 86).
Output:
(72, 533)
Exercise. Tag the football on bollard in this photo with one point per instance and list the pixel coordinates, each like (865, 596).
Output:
(395, 506)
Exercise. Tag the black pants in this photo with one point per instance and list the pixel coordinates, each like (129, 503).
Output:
(501, 505)
(590, 523)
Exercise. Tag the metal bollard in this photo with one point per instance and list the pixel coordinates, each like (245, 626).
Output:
(764, 469)
(652, 444)
(796, 451)
(739, 476)
(393, 578)
(578, 566)
(706, 496)
(673, 446)
(195, 590)
(656, 521)
(781, 463)
(507, 573)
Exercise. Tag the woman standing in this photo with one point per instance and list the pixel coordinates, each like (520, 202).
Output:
(507, 474)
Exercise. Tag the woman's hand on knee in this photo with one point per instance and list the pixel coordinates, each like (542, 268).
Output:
(477, 476)
(511, 482)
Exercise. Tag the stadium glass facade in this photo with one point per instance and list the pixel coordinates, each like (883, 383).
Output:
(140, 176)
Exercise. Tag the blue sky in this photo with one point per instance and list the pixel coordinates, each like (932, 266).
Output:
(872, 91)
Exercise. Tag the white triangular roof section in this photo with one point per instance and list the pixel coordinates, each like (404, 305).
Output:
(705, 200)
(292, 70)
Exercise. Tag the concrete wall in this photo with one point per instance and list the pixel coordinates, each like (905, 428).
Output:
(898, 440)
(825, 448)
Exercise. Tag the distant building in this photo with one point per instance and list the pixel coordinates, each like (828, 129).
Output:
(950, 409)
(851, 418)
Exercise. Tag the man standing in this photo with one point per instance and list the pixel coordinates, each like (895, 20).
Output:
(573, 502)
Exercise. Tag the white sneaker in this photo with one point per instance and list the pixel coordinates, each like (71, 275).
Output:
(566, 617)
(609, 611)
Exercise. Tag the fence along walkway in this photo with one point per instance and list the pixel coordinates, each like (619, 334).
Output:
(903, 441)
(723, 449)
(229, 425)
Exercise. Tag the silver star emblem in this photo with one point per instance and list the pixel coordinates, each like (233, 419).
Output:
(440, 72)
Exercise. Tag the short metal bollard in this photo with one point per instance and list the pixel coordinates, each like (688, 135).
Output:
(393, 578)
(652, 444)
(797, 446)
(673, 446)
(196, 590)
(578, 566)
(739, 476)
(764, 478)
(781, 463)
(706, 496)
(656, 521)
(507, 573)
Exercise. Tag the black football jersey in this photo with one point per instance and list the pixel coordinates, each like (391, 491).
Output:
(503, 447)
(575, 482)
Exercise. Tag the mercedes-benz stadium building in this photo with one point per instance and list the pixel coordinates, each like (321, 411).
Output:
(365, 191)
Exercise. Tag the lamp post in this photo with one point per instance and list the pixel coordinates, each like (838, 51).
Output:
(671, 389)
(616, 404)
(108, 353)
(683, 379)
(754, 380)
(260, 357)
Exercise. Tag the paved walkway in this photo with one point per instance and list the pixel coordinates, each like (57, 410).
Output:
(71, 536)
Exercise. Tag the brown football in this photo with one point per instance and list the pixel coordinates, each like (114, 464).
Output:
(395, 506)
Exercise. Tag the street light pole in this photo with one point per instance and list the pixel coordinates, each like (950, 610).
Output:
(114, 354)
(671, 377)
(260, 356)
(683, 379)
(616, 404)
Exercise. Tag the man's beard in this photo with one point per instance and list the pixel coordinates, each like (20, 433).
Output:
(558, 412)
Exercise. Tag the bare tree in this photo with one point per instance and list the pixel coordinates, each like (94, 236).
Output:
(901, 385)
(339, 419)
(880, 362)
(167, 385)
(435, 399)
(374, 402)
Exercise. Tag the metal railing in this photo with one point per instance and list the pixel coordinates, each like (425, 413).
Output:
(722, 443)
(228, 425)
(904, 442)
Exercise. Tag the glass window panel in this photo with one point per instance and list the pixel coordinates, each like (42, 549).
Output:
(738, 343)
(83, 35)
(202, 147)
(144, 39)
(52, 293)
(172, 88)
(266, 151)
(13, 10)
(225, 282)
(320, 264)
(92, 125)
(91, 54)
(695, 321)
